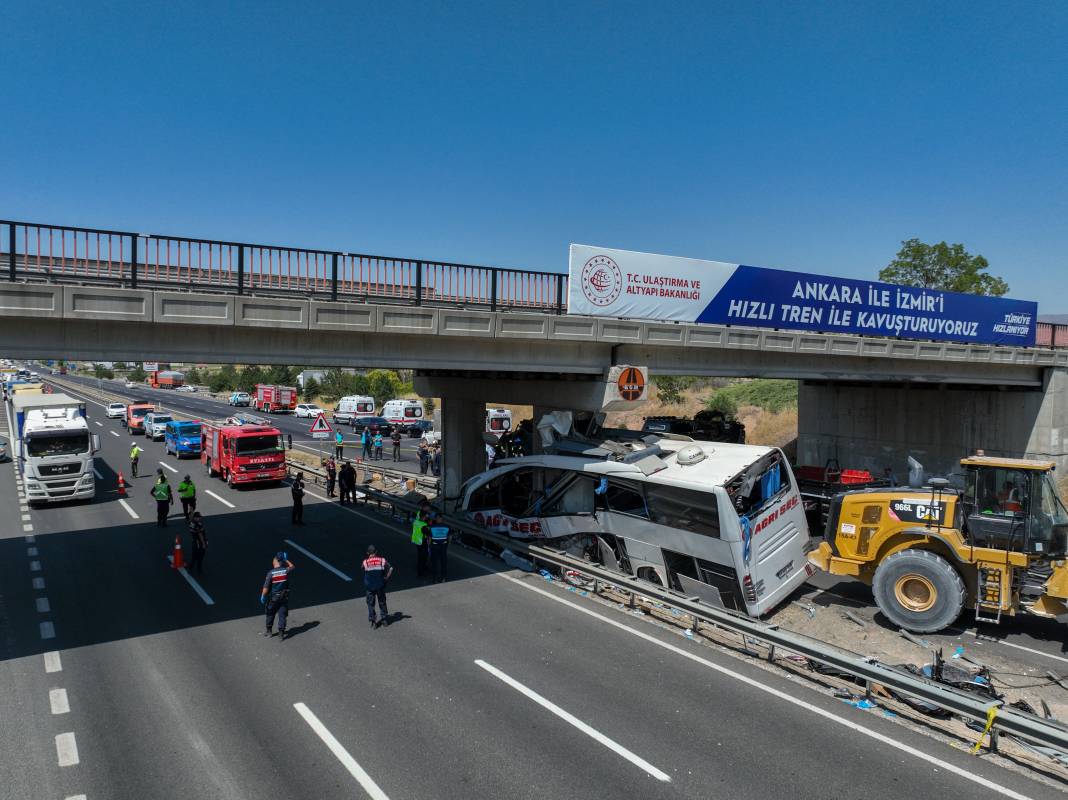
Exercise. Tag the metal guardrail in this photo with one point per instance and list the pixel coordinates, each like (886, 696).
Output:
(1026, 727)
(38, 251)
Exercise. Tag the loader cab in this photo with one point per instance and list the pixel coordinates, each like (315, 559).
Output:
(1012, 504)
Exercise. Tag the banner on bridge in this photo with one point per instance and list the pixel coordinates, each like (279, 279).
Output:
(621, 283)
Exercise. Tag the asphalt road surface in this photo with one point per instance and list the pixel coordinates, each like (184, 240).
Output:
(197, 404)
(125, 679)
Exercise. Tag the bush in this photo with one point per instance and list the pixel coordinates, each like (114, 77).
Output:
(311, 389)
(137, 374)
(771, 395)
(722, 402)
(669, 388)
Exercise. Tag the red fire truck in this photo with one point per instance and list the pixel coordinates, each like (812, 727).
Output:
(243, 453)
(273, 399)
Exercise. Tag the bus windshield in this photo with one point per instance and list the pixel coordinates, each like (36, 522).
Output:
(259, 445)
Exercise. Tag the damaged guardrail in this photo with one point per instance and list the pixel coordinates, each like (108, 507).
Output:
(993, 716)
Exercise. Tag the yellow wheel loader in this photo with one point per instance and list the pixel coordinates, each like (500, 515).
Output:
(998, 547)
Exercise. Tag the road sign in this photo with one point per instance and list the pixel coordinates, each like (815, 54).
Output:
(150, 366)
(320, 426)
(321, 435)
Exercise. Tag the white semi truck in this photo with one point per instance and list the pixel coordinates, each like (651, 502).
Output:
(54, 447)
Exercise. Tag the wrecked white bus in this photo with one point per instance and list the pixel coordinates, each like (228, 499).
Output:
(723, 522)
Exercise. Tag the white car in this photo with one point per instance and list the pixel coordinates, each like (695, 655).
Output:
(132, 385)
(309, 410)
(116, 410)
(156, 425)
(185, 388)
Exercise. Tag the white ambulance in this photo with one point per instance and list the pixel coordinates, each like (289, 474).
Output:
(403, 412)
(353, 405)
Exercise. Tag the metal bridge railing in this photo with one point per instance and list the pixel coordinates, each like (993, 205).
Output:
(57, 253)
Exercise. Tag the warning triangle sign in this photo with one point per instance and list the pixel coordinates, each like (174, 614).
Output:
(320, 425)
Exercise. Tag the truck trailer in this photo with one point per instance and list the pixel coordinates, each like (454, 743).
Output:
(54, 447)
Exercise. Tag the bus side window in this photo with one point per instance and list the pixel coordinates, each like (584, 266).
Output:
(576, 498)
(687, 509)
(487, 496)
(626, 499)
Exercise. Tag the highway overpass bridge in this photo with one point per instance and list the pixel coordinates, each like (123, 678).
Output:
(481, 334)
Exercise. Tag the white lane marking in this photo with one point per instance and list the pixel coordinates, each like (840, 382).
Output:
(571, 719)
(340, 753)
(96, 472)
(99, 424)
(30, 538)
(165, 465)
(53, 663)
(38, 583)
(922, 756)
(113, 433)
(66, 750)
(26, 518)
(26, 527)
(35, 566)
(31, 552)
(75, 797)
(1021, 647)
(43, 606)
(129, 510)
(24, 507)
(48, 630)
(57, 698)
(318, 560)
(226, 503)
(193, 582)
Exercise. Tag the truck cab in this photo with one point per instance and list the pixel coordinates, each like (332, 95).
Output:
(136, 412)
(55, 448)
(242, 454)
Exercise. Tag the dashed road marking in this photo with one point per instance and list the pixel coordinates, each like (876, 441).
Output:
(226, 503)
(318, 560)
(27, 527)
(26, 517)
(31, 552)
(35, 566)
(571, 719)
(30, 538)
(340, 753)
(52, 661)
(43, 606)
(67, 750)
(48, 630)
(165, 465)
(193, 582)
(98, 424)
(57, 698)
(38, 583)
(113, 433)
(129, 510)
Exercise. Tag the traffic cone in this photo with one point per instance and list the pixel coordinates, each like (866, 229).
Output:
(122, 485)
(179, 560)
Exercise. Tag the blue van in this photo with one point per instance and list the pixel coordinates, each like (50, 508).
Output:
(182, 438)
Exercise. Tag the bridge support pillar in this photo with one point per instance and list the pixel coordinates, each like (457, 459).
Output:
(462, 421)
(868, 426)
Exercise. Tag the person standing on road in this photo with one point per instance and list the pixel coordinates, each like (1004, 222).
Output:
(378, 445)
(421, 539)
(395, 437)
(365, 440)
(339, 445)
(275, 594)
(435, 460)
(424, 457)
(135, 456)
(187, 493)
(439, 548)
(347, 483)
(297, 491)
(200, 541)
(164, 498)
(331, 476)
(376, 571)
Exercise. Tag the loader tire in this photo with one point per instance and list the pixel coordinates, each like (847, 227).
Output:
(919, 591)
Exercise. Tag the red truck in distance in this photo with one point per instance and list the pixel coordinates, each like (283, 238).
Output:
(166, 379)
(275, 399)
(242, 454)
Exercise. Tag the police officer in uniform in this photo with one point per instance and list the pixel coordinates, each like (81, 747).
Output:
(376, 571)
(275, 594)
(164, 498)
(439, 547)
(298, 499)
(421, 539)
(187, 493)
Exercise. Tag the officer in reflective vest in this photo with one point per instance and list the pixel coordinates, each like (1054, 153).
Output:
(439, 545)
(187, 493)
(164, 498)
(275, 594)
(421, 539)
(376, 571)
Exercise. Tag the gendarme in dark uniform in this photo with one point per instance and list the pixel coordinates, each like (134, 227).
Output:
(275, 594)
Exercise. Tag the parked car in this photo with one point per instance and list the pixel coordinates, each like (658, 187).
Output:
(156, 424)
(418, 429)
(116, 410)
(240, 399)
(374, 423)
(308, 410)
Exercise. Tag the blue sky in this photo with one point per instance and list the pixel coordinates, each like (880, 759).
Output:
(801, 136)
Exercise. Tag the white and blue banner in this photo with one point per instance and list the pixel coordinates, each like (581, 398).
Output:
(621, 283)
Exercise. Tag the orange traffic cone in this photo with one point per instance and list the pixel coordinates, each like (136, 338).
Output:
(179, 560)
(122, 485)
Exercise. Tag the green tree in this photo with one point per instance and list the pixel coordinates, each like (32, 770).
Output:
(280, 376)
(429, 403)
(100, 371)
(193, 377)
(250, 376)
(336, 384)
(311, 389)
(119, 365)
(947, 267)
(383, 385)
(137, 374)
(722, 402)
(669, 388)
